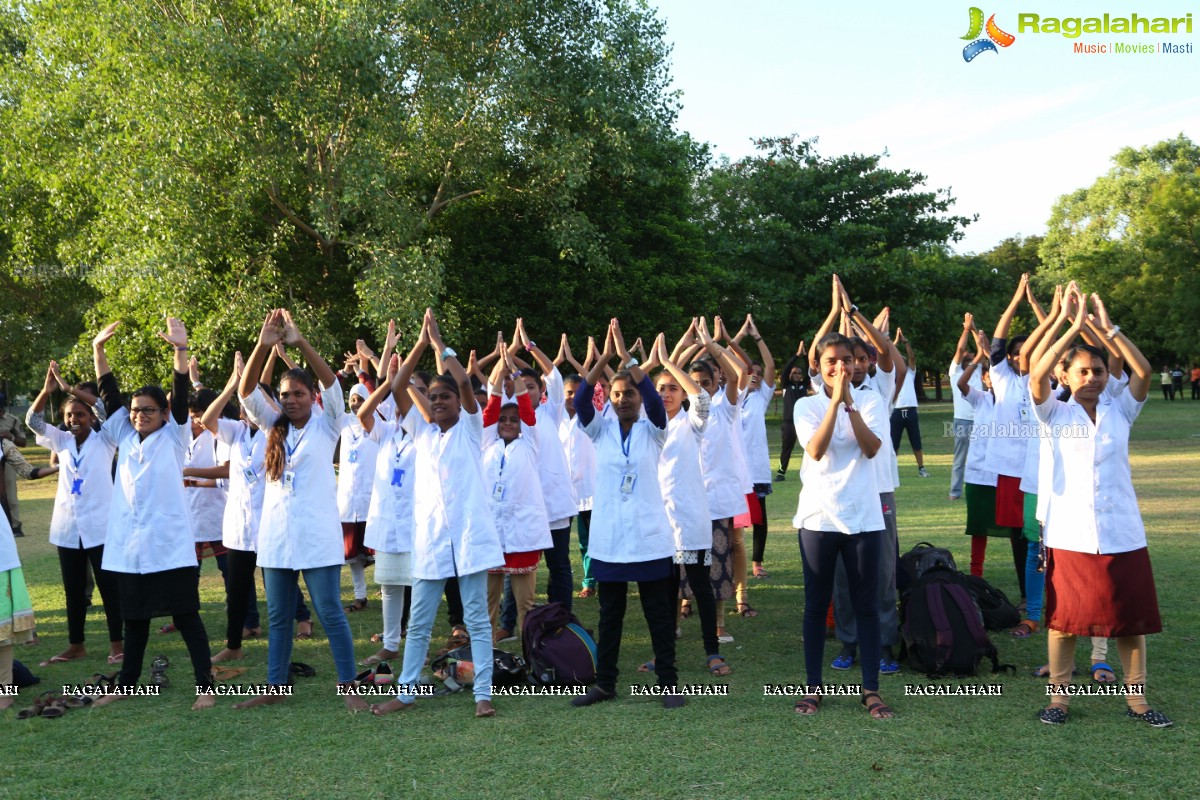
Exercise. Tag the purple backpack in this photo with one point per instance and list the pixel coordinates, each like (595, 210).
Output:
(558, 650)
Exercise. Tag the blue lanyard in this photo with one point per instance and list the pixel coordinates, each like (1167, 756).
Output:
(292, 448)
(626, 438)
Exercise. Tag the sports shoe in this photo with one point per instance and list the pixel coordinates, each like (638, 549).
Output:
(924, 473)
(594, 695)
(888, 667)
(780, 475)
(843, 661)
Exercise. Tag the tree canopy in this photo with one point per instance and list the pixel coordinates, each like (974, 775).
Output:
(219, 158)
(1134, 237)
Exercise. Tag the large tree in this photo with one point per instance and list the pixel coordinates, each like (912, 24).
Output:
(215, 158)
(783, 220)
(1134, 237)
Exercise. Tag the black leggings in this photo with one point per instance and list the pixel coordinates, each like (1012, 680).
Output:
(787, 444)
(860, 554)
(190, 627)
(760, 530)
(454, 605)
(658, 606)
(706, 602)
(239, 593)
(74, 565)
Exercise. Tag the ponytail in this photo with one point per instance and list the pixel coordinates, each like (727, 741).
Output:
(273, 459)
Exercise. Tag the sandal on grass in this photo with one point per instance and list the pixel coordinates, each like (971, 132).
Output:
(685, 611)
(808, 705)
(1101, 666)
(1024, 630)
(745, 610)
(357, 605)
(300, 669)
(761, 573)
(719, 669)
(878, 709)
(304, 630)
(647, 667)
(586, 592)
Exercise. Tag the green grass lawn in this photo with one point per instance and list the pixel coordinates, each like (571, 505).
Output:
(744, 745)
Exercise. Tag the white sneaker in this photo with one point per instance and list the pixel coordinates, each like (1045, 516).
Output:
(924, 473)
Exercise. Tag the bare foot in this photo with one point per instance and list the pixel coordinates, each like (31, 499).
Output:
(355, 704)
(6, 701)
(70, 654)
(382, 655)
(204, 701)
(108, 699)
(391, 706)
(483, 708)
(229, 654)
(261, 700)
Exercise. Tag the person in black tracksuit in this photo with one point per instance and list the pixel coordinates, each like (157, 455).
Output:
(795, 382)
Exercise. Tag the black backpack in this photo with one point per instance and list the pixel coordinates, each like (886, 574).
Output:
(943, 628)
(919, 560)
(998, 613)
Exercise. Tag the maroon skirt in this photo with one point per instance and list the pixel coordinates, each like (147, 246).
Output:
(519, 563)
(1088, 594)
(1010, 502)
(353, 534)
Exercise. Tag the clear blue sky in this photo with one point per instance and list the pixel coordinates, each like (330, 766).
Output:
(1009, 132)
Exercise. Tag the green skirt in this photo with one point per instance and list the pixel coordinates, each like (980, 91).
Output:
(1032, 528)
(981, 511)
(16, 609)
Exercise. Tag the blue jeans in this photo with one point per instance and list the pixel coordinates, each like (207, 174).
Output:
(426, 597)
(560, 587)
(962, 446)
(819, 552)
(324, 587)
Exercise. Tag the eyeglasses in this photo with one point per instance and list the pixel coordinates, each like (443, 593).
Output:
(146, 412)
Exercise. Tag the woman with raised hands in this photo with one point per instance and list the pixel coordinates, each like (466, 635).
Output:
(455, 534)
(1098, 575)
(630, 537)
(149, 540)
(299, 532)
(839, 514)
(720, 456)
(682, 484)
(390, 519)
(511, 456)
(753, 404)
(79, 522)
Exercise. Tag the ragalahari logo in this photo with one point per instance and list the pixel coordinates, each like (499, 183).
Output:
(995, 36)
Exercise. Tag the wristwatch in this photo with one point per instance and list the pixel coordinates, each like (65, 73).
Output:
(631, 363)
(852, 407)
(449, 353)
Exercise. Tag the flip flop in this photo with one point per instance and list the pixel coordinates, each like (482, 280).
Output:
(227, 673)
(59, 660)
(302, 670)
(721, 670)
(646, 667)
(304, 634)
(1103, 666)
(119, 658)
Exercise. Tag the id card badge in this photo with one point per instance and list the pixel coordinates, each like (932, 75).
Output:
(353, 457)
(628, 479)
(498, 492)
(77, 486)
(251, 476)
(289, 481)
(397, 477)
(1024, 412)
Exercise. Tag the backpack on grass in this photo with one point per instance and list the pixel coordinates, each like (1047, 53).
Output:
(999, 614)
(559, 651)
(942, 627)
(920, 559)
(457, 671)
